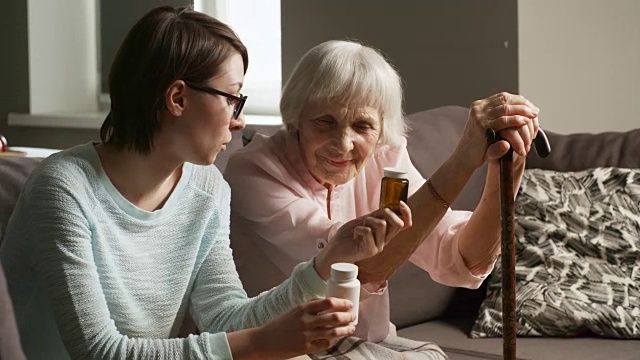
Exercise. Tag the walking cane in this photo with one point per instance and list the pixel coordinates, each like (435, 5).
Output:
(507, 236)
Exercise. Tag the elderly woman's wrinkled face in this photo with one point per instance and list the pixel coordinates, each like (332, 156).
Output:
(336, 140)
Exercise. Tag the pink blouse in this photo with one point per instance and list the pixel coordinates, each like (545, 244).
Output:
(279, 218)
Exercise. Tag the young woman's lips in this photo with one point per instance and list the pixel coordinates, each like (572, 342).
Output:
(224, 145)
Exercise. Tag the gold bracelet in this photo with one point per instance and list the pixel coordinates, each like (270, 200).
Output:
(437, 196)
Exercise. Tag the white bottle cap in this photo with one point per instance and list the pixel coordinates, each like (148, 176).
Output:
(395, 173)
(344, 271)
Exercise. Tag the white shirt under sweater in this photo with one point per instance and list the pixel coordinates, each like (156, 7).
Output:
(94, 277)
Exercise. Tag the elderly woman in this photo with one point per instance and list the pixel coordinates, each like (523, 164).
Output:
(293, 191)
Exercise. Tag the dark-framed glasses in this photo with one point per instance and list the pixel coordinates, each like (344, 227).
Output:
(239, 100)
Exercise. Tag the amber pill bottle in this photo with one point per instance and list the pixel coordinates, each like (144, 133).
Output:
(394, 187)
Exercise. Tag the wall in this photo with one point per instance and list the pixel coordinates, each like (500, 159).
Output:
(119, 16)
(14, 92)
(14, 64)
(577, 59)
(62, 56)
(14, 68)
(116, 18)
(449, 52)
(580, 63)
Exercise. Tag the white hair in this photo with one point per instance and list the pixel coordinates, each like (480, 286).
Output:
(346, 72)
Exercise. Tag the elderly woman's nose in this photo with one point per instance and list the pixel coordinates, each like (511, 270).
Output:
(343, 140)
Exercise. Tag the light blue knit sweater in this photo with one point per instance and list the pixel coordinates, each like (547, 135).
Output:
(94, 277)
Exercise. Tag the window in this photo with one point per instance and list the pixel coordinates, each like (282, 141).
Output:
(257, 23)
(65, 51)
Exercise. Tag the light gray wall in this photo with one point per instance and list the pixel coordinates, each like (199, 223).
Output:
(448, 52)
(580, 63)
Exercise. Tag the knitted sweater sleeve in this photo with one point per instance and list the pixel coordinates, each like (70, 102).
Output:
(218, 301)
(56, 222)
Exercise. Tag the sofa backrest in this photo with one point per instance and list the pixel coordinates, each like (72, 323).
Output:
(434, 134)
(576, 152)
(415, 298)
(9, 336)
(13, 173)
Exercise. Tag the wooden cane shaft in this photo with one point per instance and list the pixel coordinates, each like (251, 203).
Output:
(507, 213)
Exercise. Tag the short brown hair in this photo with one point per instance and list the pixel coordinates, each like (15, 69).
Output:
(165, 45)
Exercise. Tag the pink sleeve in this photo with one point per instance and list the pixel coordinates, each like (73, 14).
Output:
(438, 254)
(294, 228)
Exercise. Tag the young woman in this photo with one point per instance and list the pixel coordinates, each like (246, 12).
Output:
(112, 243)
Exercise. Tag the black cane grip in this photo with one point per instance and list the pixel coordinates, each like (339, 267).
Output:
(540, 143)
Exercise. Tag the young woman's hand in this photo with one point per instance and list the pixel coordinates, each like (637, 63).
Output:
(308, 328)
(362, 238)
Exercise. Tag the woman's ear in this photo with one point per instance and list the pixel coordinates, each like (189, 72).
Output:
(175, 99)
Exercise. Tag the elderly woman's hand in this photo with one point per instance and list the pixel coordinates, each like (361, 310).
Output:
(362, 238)
(511, 116)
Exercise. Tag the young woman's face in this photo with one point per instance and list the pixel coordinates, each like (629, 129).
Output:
(336, 140)
(211, 119)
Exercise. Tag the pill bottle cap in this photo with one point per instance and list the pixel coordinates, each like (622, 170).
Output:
(344, 271)
(395, 173)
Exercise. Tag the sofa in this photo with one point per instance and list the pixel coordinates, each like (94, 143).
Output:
(420, 308)
(425, 310)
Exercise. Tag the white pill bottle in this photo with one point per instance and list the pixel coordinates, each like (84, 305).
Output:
(344, 284)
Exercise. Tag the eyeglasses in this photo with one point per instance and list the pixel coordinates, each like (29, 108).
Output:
(239, 100)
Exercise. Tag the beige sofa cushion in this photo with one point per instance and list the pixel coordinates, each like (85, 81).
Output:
(453, 339)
